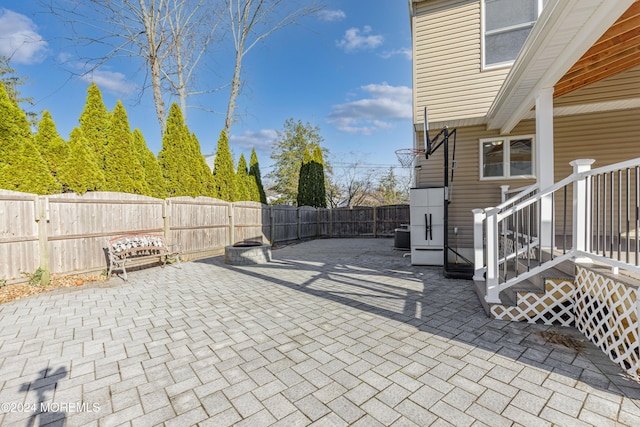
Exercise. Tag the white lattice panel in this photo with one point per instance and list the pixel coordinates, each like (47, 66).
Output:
(607, 314)
(555, 306)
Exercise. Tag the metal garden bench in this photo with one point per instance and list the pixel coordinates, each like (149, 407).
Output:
(138, 248)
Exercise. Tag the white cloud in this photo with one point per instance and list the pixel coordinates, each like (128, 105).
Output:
(384, 105)
(354, 39)
(406, 52)
(19, 39)
(331, 15)
(110, 81)
(261, 140)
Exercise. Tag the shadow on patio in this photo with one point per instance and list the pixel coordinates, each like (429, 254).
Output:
(367, 274)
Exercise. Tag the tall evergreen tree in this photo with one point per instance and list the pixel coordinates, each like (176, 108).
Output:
(243, 180)
(254, 172)
(14, 128)
(223, 174)
(287, 154)
(28, 172)
(175, 157)
(152, 171)
(123, 171)
(317, 179)
(12, 82)
(94, 123)
(53, 148)
(305, 186)
(80, 172)
(203, 176)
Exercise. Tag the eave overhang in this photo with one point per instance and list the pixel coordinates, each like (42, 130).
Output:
(565, 31)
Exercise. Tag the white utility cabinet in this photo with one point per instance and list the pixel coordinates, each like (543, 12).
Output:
(427, 226)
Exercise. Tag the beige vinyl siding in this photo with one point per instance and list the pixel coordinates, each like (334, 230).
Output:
(608, 137)
(625, 85)
(468, 191)
(448, 78)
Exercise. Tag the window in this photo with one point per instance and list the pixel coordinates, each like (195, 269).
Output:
(510, 157)
(506, 25)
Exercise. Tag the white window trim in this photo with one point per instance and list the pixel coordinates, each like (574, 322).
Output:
(498, 65)
(505, 159)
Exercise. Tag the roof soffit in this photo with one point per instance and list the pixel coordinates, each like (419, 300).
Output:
(565, 30)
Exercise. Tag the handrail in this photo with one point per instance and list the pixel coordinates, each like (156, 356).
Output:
(610, 168)
(522, 192)
(555, 187)
(518, 224)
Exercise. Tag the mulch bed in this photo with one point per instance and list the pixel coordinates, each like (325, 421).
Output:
(14, 292)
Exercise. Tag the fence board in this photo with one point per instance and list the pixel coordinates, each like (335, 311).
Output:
(249, 221)
(200, 224)
(308, 222)
(285, 223)
(77, 226)
(388, 218)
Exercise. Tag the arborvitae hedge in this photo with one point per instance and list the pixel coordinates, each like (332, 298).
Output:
(153, 174)
(175, 157)
(28, 172)
(94, 123)
(53, 148)
(317, 180)
(80, 172)
(14, 128)
(254, 171)
(203, 177)
(304, 197)
(123, 171)
(242, 180)
(224, 177)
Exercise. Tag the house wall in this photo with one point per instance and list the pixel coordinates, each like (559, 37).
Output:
(622, 86)
(608, 137)
(447, 75)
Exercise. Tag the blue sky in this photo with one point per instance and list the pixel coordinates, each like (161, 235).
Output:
(346, 70)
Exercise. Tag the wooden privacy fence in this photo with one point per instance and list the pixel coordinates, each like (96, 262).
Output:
(67, 233)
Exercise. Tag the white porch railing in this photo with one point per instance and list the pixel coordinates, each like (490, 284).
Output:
(529, 232)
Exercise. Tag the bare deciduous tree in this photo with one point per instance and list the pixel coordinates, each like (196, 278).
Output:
(251, 21)
(169, 35)
(352, 183)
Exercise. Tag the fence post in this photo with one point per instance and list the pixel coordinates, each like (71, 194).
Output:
(375, 221)
(272, 226)
(232, 225)
(298, 225)
(41, 209)
(478, 244)
(581, 209)
(331, 222)
(166, 220)
(492, 286)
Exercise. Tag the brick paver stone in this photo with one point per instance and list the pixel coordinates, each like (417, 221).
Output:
(331, 332)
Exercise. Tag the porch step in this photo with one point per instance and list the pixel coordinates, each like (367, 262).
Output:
(546, 298)
(536, 284)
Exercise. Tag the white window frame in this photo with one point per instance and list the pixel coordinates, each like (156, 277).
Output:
(506, 155)
(483, 14)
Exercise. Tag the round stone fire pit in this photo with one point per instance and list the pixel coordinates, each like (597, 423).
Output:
(247, 253)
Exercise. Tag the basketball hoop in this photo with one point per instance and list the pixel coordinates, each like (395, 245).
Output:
(407, 155)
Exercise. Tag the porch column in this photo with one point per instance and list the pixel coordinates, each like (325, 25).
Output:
(492, 295)
(581, 210)
(478, 244)
(545, 165)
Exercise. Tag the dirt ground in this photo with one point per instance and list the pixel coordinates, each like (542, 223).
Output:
(14, 292)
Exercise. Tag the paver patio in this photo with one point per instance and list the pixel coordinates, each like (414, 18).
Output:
(332, 332)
